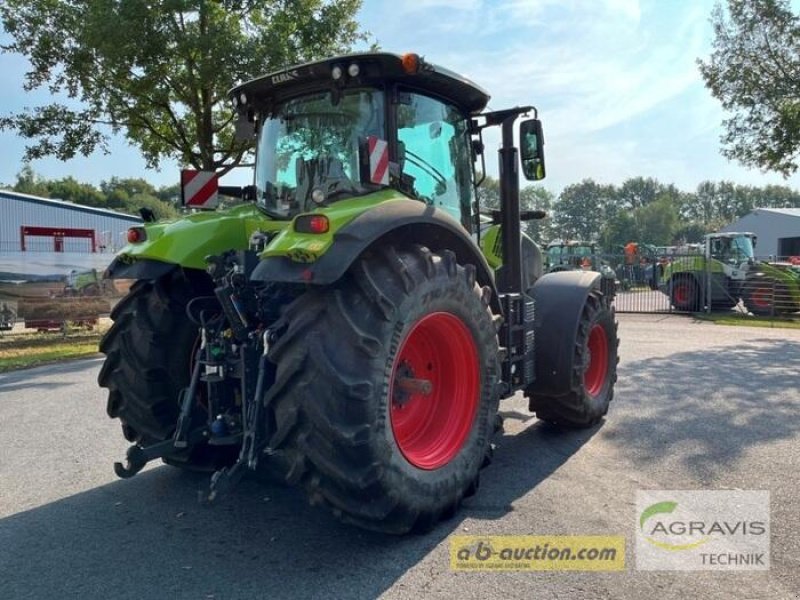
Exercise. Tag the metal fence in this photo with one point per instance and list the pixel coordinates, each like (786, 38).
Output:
(690, 283)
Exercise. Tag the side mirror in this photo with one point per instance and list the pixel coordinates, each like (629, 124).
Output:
(531, 141)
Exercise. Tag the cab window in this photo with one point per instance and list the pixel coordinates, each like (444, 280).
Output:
(433, 153)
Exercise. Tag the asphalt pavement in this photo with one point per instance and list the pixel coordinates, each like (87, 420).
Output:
(698, 406)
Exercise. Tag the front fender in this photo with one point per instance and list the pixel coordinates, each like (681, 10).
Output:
(560, 298)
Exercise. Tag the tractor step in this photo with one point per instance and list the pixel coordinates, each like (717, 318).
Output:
(517, 339)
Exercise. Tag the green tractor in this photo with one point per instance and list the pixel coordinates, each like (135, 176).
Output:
(349, 331)
(724, 271)
(571, 255)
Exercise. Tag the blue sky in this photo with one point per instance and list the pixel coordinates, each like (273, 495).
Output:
(615, 81)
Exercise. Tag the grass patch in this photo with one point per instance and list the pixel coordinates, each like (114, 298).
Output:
(743, 320)
(30, 350)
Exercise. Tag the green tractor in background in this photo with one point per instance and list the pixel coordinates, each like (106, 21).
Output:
(351, 331)
(571, 255)
(725, 271)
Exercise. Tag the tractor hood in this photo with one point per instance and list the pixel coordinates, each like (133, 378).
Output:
(188, 240)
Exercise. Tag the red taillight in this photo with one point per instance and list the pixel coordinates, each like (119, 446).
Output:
(136, 235)
(311, 224)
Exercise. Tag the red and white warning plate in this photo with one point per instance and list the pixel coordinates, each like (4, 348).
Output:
(199, 189)
(378, 160)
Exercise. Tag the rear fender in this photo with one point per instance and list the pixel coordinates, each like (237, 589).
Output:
(560, 298)
(398, 222)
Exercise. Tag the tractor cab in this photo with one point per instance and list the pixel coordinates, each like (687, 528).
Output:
(735, 251)
(351, 126)
(573, 254)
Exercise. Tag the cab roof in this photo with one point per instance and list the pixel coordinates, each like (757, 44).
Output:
(730, 234)
(374, 68)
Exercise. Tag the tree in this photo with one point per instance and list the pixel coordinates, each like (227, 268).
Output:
(535, 197)
(530, 197)
(754, 71)
(582, 208)
(159, 71)
(656, 222)
(161, 210)
(28, 182)
(618, 231)
(71, 190)
(637, 192)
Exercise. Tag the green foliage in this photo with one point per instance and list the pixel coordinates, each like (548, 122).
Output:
(648, 211)
(536, 197)
(126, 195)
(28, 182)
(160, 209)
(582, 209)
(655, 222)
(754, 71)
(159, 71)
(530, 197)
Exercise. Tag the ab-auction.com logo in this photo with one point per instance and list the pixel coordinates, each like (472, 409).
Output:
(702, 530)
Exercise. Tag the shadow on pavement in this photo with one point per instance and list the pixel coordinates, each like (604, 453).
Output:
(707, 407)
(150, 538)
(21, 379)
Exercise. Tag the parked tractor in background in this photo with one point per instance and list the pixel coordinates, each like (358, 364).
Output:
(725, 271)
(84, 283)
(572, 255)
(345, 332)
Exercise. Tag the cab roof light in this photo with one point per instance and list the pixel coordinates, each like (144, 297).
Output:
(411, 63)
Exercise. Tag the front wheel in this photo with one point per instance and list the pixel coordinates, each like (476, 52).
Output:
(386, 389)
(684, 293)
(594, 370)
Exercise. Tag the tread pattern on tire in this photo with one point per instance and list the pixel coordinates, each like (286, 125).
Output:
(148, 357)
(329, 401)
(576, 409)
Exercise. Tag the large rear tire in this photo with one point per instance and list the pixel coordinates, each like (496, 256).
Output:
(148, 362)
(362, 440)
(594, 370)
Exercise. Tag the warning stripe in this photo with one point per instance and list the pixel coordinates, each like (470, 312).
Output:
(199, 188)
(378, 160)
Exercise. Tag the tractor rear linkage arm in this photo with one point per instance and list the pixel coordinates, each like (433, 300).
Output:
(253, 443)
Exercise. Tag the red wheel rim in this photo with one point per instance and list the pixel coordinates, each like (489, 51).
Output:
(682, 293)
(761, 298)
(431, 428)
(594, 377)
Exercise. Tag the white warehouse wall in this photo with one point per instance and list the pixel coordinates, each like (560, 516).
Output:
(769, 224)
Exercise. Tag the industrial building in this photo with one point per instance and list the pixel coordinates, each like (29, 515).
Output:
(778, 231)
(33, 224)
(44, 239)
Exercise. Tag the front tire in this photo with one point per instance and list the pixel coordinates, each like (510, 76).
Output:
(684, 293)
(594, 370)
(379, 453)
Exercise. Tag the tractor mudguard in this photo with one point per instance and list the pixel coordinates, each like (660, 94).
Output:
(145, 268)
(560, 298)
(399, 222)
